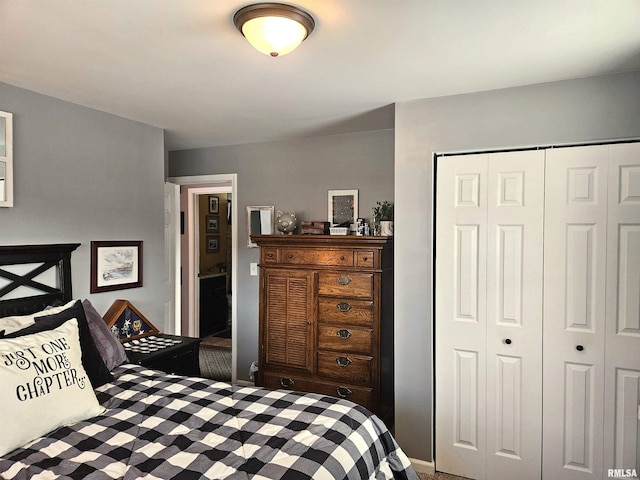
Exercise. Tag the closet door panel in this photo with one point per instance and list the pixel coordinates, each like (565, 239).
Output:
(622, 374)
(514, 313)
(575, 242)
(461, 315)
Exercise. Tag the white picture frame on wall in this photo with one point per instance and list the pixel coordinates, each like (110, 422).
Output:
(343, 208)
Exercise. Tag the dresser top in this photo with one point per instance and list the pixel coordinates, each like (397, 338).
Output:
(351, 241)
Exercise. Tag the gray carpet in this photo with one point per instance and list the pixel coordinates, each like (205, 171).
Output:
(215, 363)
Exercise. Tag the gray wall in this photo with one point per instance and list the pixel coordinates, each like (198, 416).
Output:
(83, 175)
(291, 175)
(599, 108)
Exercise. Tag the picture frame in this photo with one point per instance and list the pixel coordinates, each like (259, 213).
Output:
(343, 208)
(212, 224)
(213, 243)
(214, 204)
(260, 221)
(116, 265)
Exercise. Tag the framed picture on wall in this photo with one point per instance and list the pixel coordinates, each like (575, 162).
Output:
(213, 243)
(212, 223)
(115, 265)
(214, 204)
(343, 208)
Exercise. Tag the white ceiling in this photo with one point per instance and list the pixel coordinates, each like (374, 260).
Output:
(182, 66)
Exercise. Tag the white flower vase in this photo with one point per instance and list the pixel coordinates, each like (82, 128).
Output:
(386, 228)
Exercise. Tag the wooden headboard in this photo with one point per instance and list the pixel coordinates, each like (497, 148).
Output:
(24, 293)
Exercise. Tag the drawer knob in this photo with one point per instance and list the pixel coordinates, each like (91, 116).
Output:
(290, 255)
(343, 361)
(344, 306)
(343, 334)
(342, 258)
(344, 279)
(286, 382)
(343, 392)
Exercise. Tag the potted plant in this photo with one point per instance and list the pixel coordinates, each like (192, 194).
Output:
(383, 218)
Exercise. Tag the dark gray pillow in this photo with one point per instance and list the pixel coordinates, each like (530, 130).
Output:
(91, 359)
(109, 347)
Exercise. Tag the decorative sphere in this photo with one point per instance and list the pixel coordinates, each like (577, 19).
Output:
(286, 222)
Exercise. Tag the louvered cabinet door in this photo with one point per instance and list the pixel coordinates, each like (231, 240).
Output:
(287, 327)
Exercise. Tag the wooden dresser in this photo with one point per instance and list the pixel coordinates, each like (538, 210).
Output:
(326, 317)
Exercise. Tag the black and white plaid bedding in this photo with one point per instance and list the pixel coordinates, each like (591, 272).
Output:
(160, 426)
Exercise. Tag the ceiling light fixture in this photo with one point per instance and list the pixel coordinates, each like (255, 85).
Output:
(274, 29)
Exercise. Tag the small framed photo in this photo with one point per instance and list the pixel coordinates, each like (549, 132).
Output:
(343, 208)
(213, 243)
(212, 223)
(214, 204)
(115, 265)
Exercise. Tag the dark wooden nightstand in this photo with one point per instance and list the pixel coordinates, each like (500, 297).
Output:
(169, 353)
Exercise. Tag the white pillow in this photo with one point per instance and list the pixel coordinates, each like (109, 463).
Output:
(18, 322)
(44, 385)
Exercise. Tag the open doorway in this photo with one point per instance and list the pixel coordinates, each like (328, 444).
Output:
(208, 260)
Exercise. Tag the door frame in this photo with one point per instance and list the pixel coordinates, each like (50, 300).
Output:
(200, 185)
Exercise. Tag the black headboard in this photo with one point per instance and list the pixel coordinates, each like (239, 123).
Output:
(37, 259)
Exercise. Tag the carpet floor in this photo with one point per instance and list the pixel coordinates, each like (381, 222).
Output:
(439, 476)
(215, 363)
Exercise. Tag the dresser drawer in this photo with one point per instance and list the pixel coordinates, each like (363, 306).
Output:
(341, 311)
(269, 255)
(359, 395)
(306, 256)
(346, 339)
(364, 259)
(345, 367)
(346, 284)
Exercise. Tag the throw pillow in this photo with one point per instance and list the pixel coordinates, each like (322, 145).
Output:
(110, 348)
(91, 359)
(18, 322)
(44, 385)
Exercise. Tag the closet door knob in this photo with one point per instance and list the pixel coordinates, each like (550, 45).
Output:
(579, 348)
(507, 341)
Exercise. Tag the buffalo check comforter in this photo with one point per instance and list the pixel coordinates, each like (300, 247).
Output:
(159, 426)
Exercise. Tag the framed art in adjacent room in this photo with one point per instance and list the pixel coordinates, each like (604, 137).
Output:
(213, 243)
(214, 204)
(115, 265)
(212, 223)
(343, 208)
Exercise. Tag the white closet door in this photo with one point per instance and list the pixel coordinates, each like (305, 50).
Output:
(622, 371)
(488, 314)
(461, 225)
(514, 314)
(574, 312)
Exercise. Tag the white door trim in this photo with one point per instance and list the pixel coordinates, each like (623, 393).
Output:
(214, 183)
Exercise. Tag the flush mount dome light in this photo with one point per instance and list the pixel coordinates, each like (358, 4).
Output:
(274, 29)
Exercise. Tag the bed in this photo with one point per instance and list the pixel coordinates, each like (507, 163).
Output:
(138, 423)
